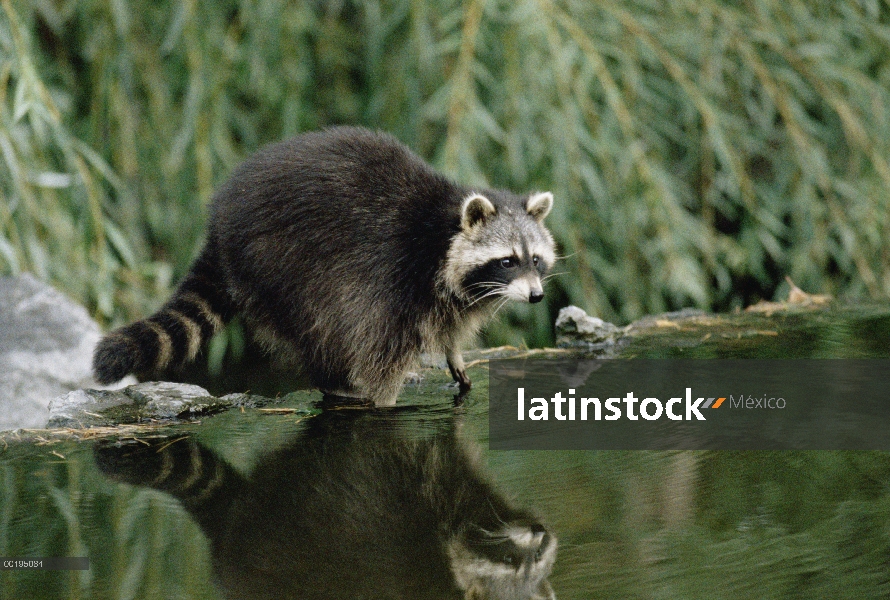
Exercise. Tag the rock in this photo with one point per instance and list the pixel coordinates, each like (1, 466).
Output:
(46, 346)
(164, 399)
(574, 327)
(91, 408)
(148, 400)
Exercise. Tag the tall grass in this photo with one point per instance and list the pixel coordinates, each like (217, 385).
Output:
(699, 150)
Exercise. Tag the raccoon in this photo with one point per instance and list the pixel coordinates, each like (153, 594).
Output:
(346, 253)
(351, 508)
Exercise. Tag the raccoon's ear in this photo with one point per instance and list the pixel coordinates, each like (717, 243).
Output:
(475, 209)
(539, 205)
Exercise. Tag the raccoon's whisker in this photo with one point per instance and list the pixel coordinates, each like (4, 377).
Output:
(492, 287)
(563, 257)
(497, 291)
(546, 277)
(493, 290)
(501, 305)
(492, 534)
(485, 285)
(487, 289)
(563, 545)
(496, 515)
(477, 300)
(494, 541)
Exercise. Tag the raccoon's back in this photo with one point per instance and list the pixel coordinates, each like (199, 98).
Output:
(343, 205)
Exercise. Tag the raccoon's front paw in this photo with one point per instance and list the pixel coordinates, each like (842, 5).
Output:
(458, 370)
(461, 377)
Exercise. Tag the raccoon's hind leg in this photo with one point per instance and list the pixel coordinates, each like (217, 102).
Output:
(172, 336)
(382, 380)
(458, 369)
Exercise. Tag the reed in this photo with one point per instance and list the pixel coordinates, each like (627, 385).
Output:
(700, 151)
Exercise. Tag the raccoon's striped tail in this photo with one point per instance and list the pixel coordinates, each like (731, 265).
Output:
(171, 337)
(202, 481)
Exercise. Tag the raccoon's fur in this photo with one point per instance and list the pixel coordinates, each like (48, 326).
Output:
(352, 508)
(346, 252)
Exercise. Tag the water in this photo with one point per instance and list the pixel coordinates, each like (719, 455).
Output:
(630, 524)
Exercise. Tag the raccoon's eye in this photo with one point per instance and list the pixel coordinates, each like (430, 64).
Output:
(535, 260)
(508, 263)
(508, 560)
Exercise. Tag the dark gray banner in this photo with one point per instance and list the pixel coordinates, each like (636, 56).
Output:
(54, 563)
(671, 404)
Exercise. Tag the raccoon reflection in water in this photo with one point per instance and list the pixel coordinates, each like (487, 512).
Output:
(351, 508)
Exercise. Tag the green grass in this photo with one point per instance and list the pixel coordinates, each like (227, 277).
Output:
(699, 151)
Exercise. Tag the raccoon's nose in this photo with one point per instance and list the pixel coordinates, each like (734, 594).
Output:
(535, 296)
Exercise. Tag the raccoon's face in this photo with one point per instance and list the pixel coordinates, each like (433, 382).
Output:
(512, 563)
(503, 249)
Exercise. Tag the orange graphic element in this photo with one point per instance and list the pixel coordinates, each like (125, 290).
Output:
(718, 403)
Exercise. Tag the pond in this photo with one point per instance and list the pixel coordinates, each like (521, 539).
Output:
(304, 499)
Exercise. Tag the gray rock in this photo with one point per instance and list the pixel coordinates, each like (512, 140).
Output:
(167, 400)
(575, 327)
(91, 408)
(46, 345)
(148, 400)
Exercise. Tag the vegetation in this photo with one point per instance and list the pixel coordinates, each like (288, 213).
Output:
(699, 150)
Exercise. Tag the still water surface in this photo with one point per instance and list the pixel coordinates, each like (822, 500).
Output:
(251, 502)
